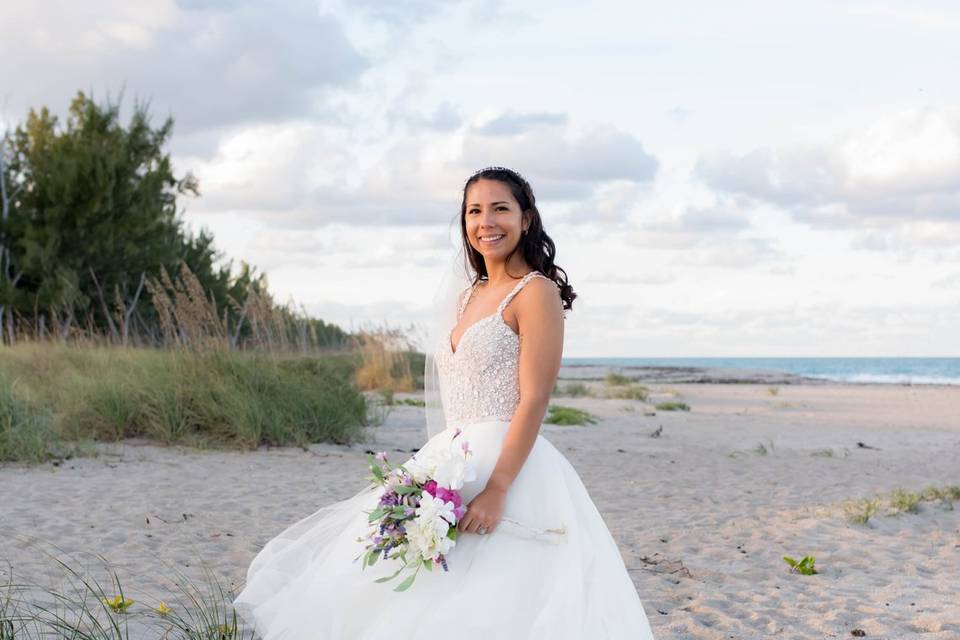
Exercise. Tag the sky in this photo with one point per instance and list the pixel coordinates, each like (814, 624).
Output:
(720, 179)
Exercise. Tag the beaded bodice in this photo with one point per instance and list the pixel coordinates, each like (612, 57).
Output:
(480, 380)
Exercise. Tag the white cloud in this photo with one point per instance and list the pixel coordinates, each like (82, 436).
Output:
(904, 167)
(209, 64)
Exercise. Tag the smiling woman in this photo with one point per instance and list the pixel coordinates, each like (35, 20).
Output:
(530, 556)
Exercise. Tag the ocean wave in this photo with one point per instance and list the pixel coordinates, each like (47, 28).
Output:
(883, 378)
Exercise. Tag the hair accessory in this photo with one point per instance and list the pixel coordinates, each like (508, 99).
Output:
(496, 168)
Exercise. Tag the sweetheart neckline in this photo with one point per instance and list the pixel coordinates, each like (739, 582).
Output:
(499, 312)
(468, 329)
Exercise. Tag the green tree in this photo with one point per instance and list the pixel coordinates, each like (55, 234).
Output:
(94, 213)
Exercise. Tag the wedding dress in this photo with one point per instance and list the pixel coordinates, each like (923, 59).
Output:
(549, 570)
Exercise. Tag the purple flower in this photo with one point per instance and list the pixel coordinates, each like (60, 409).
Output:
(431, 487)
(388, 498)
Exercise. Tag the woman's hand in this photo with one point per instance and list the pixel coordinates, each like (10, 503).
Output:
(485, 509)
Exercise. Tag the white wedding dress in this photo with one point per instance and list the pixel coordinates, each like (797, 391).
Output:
(550, 569)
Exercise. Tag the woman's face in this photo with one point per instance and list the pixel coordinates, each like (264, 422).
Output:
(493, 219)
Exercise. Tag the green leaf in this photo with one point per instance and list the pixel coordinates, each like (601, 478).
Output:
(403, 586)
(391, 577)
(404, 489)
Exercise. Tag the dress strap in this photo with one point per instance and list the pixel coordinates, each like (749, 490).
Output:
(523, 281)
(464, 299)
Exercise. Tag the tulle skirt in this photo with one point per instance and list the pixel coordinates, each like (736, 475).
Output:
(550, 569)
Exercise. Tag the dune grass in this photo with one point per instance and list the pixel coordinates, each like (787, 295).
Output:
(557, 414)
(899, 501)
(85, 607)
(672, 406)
(621, 387)
(576, 389)
(53, 397)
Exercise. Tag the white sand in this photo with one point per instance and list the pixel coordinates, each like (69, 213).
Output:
(702, 531)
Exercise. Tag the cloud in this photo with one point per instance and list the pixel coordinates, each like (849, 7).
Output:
(209, 64)
(511, 124)
(304, 175)
(398, 13)
(566, 167)
(904, 167)
(699, 220)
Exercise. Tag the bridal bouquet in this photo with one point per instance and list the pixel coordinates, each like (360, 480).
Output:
(416, 518)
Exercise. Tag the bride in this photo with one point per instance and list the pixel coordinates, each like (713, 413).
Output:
(534, 558)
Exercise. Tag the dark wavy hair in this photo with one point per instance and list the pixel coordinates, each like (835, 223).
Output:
(537, 247)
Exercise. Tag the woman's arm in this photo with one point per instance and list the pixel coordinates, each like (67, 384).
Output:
(539, 312)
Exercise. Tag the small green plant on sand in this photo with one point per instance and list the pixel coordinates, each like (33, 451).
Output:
(773, 390)
(763, 450)
(672, 406)
(860, 511)
(568, 416)
(901, 500)
(804, 566)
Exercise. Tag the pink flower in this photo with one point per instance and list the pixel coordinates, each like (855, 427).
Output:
(431, 487)
(466, 448)
(448, 495)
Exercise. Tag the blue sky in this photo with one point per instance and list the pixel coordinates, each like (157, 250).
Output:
(721, 179)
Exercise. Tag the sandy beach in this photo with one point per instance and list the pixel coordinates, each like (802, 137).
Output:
(702, 513)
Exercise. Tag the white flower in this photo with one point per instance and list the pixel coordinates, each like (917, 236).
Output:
(427, 532)
(454, 469)
(448, 467)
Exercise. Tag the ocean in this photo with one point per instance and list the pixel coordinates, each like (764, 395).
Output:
(872, 370)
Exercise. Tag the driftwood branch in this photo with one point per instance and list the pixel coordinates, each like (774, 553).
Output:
(103, 305)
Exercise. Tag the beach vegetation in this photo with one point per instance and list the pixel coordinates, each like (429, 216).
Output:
(89, 607)
(946, 494)
(614, 379)
(763, 449)
(557, 414)
(773, 390)
(860, 511)
(672, 406)
(628, 392)
(116, 322)
(904, 501)
(899, 501)
(59, 394)
(803, 566)
(575, 389)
